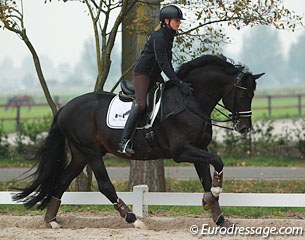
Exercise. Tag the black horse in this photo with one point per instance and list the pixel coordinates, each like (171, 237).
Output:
(183, 134)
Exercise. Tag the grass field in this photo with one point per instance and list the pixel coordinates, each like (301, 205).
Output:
(111, 161)
(258, 113)
(290, 112)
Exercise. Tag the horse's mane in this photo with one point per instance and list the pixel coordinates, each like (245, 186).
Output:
(225, 63)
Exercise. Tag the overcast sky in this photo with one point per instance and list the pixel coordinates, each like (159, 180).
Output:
(59, 31)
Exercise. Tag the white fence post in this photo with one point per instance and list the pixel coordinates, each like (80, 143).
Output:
(139, 209)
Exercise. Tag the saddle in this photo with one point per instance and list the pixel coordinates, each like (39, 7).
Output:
(153, 96)
(153, 104)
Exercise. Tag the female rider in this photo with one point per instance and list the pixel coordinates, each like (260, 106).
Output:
(155, 58)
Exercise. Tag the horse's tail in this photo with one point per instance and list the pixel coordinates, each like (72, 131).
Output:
(51, 161)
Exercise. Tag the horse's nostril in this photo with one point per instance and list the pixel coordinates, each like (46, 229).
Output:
(244, 130)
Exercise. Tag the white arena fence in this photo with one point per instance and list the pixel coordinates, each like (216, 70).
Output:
(140, 198)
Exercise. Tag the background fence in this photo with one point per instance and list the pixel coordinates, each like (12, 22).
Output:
(275, 102)
(263, 105)
(140, 199)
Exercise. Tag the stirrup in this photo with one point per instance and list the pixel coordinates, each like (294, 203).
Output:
(123, 147)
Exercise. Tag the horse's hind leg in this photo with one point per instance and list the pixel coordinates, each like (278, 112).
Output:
(106, 187)
(75, 167)
(209, 201)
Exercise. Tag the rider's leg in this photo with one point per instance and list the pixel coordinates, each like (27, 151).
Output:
(125, 145)
(141, 83)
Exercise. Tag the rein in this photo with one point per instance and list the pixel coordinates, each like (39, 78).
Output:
(207, 120)
(231, 116)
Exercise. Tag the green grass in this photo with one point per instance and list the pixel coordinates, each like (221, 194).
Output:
(25, 112)
(10, 126)
(15, 162)
(110, 161)
(276, 113)
(18, 162)
(264, 161)
(174, 185)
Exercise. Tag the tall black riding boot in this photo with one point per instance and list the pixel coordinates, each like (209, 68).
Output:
(125, 145)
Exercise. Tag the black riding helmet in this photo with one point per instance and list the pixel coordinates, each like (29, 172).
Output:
(170, 11)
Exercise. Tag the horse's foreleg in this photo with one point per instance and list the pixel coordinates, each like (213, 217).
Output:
(209, 200)
(201, 158)
(106, 187)
(194, 155)
(204, 174)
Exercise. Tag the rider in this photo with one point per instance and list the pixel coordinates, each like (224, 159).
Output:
(155, 58)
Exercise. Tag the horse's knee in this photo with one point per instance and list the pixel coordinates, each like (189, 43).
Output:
(218, 163)
(177, 159)
(178, 154)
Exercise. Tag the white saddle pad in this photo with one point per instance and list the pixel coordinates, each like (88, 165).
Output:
(118, 112)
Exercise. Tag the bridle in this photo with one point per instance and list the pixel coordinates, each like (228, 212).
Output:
(236, 115)
(233, 116)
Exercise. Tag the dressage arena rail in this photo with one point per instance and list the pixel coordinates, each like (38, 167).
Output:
(140, 199)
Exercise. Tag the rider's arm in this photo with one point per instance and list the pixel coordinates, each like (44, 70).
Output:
(162, 58)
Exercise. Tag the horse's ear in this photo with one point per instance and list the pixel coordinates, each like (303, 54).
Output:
(257, 76)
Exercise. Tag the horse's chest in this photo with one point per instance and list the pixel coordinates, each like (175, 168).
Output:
(205, 135)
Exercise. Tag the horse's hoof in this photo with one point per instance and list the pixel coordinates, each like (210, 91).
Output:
(139, 224)
(208, 201)
(227, 224)
(53, 225)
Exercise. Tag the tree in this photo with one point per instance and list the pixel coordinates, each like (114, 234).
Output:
(204, 34)
(295, 63)
(105, 38)
(203, 30)
(261, 51)
(12, 19)
(137, 26)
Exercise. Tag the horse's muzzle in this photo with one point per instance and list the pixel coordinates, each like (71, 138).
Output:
(243, 126)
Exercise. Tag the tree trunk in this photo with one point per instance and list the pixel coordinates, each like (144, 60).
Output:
(137, 26)
(150, 173)
(39, 72)
(83, 182)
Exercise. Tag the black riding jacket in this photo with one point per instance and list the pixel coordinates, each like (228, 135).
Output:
(157, 55)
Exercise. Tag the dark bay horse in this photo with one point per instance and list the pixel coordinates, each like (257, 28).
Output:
(183, 135)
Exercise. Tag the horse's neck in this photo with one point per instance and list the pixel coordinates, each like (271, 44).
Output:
(209, 92)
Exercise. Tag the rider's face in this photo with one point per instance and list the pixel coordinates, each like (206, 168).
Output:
(174, 23)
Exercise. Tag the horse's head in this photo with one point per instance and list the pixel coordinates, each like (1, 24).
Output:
(237, 99)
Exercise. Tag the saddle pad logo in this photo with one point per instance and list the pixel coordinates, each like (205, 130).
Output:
(118, 113)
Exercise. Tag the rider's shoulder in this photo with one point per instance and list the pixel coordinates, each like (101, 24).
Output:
(160, 34)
